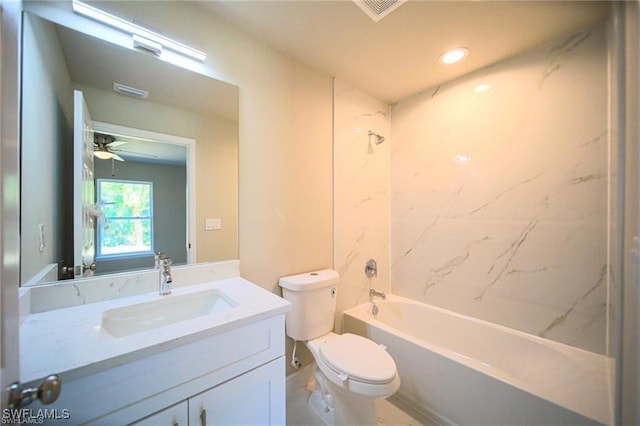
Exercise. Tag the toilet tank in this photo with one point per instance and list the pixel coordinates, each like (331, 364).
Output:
(313, 298)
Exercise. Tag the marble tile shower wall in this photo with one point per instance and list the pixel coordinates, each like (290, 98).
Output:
(499, 197)
(361, 194)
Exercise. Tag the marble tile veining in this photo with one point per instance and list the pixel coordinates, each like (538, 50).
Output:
(361, 194)
(499, 197)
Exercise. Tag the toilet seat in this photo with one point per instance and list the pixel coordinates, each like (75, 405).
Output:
(356, 383)
(357, 358)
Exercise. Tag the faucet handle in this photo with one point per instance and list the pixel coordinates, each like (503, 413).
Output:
(371, 268)
(157, 257)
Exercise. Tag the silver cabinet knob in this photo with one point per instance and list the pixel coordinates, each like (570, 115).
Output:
(47, 392)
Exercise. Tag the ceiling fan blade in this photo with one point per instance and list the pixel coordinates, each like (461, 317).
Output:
(117, 157)
(134, 153)
(116, 143)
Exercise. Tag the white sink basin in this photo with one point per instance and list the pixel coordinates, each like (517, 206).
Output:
(131, 319)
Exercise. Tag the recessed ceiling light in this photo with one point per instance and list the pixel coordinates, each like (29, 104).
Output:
(462, 159)
(454, 55)
(482, 88)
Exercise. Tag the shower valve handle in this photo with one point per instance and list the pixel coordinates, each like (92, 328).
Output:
(371, 268)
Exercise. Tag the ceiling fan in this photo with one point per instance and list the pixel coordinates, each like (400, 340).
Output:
(102, 147)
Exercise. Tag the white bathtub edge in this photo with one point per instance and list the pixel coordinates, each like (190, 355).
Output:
(360, 313)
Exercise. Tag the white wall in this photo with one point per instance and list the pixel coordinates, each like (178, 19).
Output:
(499, 204)
(361, 194)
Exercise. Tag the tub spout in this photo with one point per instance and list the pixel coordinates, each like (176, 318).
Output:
(373, 293)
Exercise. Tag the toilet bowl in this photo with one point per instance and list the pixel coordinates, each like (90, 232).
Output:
(351, 371)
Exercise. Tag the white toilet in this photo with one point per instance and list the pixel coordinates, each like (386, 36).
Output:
(351, 371)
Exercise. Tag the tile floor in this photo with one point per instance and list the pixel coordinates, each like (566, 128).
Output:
(388, 412)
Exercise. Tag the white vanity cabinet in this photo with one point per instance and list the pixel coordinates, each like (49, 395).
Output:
(176, 415)
(246, 400)
(251, 399)
(237, 375)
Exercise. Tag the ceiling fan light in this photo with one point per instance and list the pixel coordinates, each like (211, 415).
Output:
(103, 155)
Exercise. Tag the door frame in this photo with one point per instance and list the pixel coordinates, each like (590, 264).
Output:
(11, 11)
(83, 188)
(190, 145)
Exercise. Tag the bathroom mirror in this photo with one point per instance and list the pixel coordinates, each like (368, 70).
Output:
(185, 126)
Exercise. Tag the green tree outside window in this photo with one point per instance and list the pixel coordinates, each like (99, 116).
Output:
(127, 223)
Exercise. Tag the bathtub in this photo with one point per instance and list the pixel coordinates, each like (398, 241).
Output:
(460, 370)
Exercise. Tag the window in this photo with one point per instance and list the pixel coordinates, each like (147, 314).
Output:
(127, 224)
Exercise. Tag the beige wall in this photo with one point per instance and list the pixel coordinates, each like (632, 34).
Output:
(216, 161)
(285, 140)
(285, 134)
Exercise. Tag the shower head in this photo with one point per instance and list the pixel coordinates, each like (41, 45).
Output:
(379, 138)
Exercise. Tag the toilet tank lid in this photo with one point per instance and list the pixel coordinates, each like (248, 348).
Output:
(310, 280)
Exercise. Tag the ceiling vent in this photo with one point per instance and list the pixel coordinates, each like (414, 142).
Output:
(378, 9)
(130, 91)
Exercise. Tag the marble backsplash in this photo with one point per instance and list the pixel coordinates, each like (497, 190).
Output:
(499, 193)
(65, 294)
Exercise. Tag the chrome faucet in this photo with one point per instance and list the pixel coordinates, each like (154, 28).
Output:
(163, 264)
(373, 293)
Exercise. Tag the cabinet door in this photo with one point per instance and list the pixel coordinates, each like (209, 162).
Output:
(176, 415)
(255, 398)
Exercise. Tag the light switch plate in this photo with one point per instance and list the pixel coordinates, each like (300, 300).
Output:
(213, 224)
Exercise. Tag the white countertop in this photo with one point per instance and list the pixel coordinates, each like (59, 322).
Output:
(70, 342)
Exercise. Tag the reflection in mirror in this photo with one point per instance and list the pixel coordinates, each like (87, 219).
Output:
(183, 112)
(146, 178)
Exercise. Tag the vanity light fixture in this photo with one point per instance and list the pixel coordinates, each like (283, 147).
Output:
(454, 55)
(482, 88)
(150, 45)
(146, 39)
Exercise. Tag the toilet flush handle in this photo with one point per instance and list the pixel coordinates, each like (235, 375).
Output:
(343, 376)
